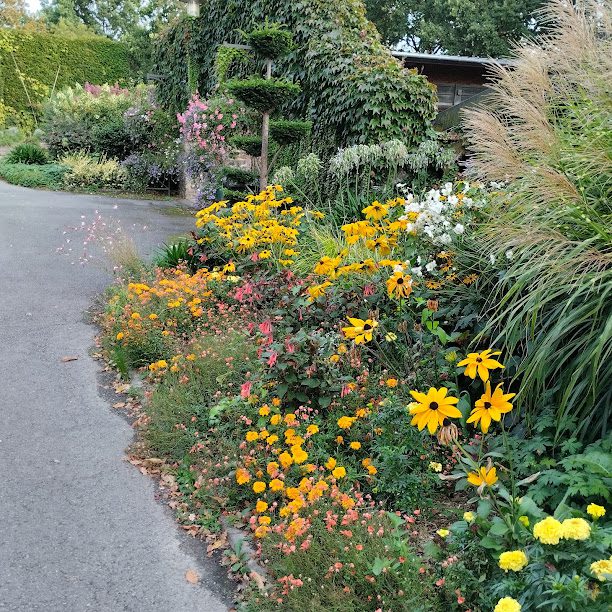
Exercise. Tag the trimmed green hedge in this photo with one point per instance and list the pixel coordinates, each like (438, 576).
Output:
(40, 55)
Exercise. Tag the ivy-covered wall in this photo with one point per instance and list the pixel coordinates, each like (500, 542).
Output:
(41, 58)
(352, 88)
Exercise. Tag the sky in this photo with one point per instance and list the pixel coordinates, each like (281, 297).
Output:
(33, 5)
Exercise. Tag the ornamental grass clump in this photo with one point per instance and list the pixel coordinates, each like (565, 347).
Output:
(547, 131)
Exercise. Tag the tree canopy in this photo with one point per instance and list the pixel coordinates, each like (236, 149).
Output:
(457, 27)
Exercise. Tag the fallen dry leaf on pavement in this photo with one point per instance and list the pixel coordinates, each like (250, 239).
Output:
(68, 358)
(191, 576)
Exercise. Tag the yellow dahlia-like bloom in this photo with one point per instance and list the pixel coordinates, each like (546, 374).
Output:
(469, 517)
(299, 454)
(399, 285)
(339, 472)
(361, 330)
(432, 408)
(259, 486)
(507, 604)
(602, 569)
(514, 560)
(575, 529)
(548, 531)
(346, 422)
(490, 407)
(480, 363)
(277, 485)
(242, 476)
(251, 436)
(435, 466)
(483, 476)
(261, 506)
(443, 532)
(596, 511)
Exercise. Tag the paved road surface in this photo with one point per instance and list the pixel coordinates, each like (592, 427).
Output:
(79, 527)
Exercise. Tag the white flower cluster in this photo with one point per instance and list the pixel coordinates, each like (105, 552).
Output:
(434, 215)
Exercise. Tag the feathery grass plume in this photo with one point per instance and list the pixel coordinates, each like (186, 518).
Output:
(548, 131)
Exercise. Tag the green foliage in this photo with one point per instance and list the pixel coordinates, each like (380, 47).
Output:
(263, 94)
(463, 27)
(176, 253)
(10, 136)
(249, 144)
(26, 153)
(26, 175)
(237, 175)
(270, 41)
(285, 132)
(87, 171)
(46, 62)
(352, 87)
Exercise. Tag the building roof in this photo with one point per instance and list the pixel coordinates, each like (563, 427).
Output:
(450, 60)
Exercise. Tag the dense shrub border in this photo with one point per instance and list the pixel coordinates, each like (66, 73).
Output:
(43, 57)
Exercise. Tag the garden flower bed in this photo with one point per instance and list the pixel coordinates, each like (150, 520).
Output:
(307, 386)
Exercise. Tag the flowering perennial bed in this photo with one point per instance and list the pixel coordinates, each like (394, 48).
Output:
(311, 383)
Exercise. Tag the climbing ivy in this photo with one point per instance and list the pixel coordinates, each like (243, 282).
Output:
(352, 88)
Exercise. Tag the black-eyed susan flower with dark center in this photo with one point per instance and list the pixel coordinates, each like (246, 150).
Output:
(432, 408)
(375, 211)
(361, 331)
(490, 407)
(399, 285)
(480, 363)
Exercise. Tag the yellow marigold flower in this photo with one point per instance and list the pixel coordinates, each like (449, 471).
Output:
(346, 422)
(259, 486)
(271, 439)
(285, 459)
(391, 382)
(339, 440)
(342, 349)
(442, 532)
(242, 476)
(399, 285)
(292, 492)
(290, 418)
(339, 472)
(360, 331)
(263, 434)
(276, 402)
(484, 476)
(135, 316)
(575, 529)
(120, 336)
(311, 430)
(299, 455)
(469, 517)
(507, 604)
(602, 569)
(375, 211)
(433, 408)
(330, 464)
(334, 358)
(264, 410)
(251, 436)
(261, 506)
(490, 407)
(277, 485)
(514, 560)
(152, 316)
(548, 531)
(596, 511)
(355, 445)
(275, 419)
(524, 520)
(264, 520)
(272, 468)
(435, 466)
(262, 531)
(480, 363)
(371, 470)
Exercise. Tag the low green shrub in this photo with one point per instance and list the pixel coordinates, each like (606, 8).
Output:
(90, 171)
(28, 175)
(10, 136)
(27, 153)
(270, 41)
(263, 94)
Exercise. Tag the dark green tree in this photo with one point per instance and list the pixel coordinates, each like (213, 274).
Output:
(456, 27)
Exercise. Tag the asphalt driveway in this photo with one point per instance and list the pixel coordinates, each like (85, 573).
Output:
(79, 527)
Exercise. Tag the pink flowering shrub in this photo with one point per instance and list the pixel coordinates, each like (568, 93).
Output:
(208, 124)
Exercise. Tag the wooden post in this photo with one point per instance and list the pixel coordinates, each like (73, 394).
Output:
(265, 138)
